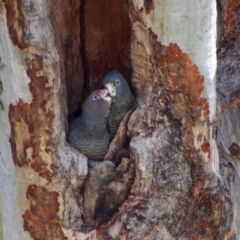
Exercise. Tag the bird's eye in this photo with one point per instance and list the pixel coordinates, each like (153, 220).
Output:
(95, 97)
(118, 82)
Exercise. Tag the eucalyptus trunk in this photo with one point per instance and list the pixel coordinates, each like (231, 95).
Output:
(179, 177)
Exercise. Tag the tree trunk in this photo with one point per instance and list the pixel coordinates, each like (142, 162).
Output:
(180, 179)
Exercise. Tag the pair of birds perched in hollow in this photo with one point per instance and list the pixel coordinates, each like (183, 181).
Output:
(101, 115)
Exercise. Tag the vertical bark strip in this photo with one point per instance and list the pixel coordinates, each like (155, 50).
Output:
(16, 22)
(30, 131)
(41, 220)
(228, 97)
(36, 66)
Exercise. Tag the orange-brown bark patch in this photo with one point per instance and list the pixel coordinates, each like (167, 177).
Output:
(233, 5)
(231, 21)
(181, 76)
(185, 84)
(15, 22)
(43, 203)
(31, 125)
(184, 74)
(20, 134)
(41, 220)
(230, 235)
(234, 150)
(234, 99)
(205, 147)
(198, 186)
(195, 237)
(206, 110)
(210, 222)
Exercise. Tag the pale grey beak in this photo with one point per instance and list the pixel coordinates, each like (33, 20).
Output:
(105, 95)
(111, 89)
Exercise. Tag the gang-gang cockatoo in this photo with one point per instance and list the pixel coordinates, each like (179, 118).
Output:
(88, 133)
(122, 99)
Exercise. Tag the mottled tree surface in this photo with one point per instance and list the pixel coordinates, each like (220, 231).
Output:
(228, 87)
(172, 171)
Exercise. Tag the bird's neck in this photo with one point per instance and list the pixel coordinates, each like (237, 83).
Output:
(121, 102)
(94, 122)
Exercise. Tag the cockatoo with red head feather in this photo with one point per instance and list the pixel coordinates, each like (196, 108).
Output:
(88, 133)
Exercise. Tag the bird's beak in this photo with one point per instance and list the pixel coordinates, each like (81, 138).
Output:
(105, 95)
(111, 89)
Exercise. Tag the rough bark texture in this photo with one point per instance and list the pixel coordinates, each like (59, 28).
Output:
(228, 86)
(170, 183)
(35, 124)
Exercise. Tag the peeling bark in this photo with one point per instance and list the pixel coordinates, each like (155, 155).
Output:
(228, 107)
(40, 221)
(35, 127)
(16, 22)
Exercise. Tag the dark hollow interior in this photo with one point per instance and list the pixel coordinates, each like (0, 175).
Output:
(104, 44)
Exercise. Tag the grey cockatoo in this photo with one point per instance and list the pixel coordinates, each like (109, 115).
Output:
(122, 99)
(88, 133)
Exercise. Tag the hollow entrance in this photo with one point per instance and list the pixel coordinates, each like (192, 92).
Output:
(95, 38)
(103, 44)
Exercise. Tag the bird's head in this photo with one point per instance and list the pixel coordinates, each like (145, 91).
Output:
(98, 102)
(115, 83)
